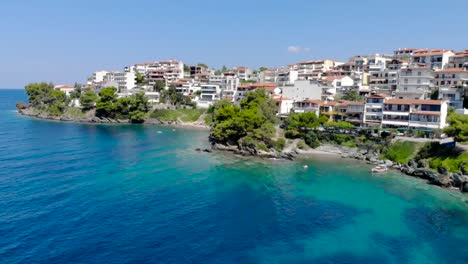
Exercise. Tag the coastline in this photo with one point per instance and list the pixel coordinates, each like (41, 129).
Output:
(449, 181)
(110, 121)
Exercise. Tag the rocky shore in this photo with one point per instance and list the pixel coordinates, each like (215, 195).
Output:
(458, 180)
(90, 118)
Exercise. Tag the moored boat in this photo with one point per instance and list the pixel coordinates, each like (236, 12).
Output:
(380, 168)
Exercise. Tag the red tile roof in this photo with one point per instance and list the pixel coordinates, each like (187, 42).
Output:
(453, 70)
(414, 102)
(332, 78)
(429, 52)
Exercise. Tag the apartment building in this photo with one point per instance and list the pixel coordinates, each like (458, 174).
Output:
(373, 109)
(243, 73)
(432, 58)
(313, 69)
(459, 60)
(415, 82)
(303, 90)
(245, 88)
(336, 84)
(414, 113)
(286, 77)
(97, 77)
(404, 53)
(354, 112)
(167, 71)
(67, 89)
(197, 69)
(386, 80)
(451, 83)
(309, 105)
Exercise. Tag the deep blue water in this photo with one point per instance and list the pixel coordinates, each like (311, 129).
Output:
(77, 193)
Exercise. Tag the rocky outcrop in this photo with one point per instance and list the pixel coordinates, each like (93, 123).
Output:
(249, 151)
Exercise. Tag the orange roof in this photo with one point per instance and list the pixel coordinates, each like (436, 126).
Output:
(414, 101)
(64, 87)
(426, 113)
(452, 70)
(379, 96)
(429, 52)
(332, 78)
(258, 85)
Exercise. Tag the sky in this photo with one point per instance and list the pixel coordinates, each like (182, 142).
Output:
(63, 41)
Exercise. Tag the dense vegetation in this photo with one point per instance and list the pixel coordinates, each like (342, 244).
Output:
(458, 127)
(133, 108)
(251, 125)
(43, 97)
(171, 96)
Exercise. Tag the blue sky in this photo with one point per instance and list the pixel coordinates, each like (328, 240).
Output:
(64, 41)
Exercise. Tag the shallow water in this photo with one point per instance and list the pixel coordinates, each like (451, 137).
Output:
(78, 193)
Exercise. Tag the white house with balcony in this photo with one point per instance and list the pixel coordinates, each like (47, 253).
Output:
(433, 58)
(451, 83)
(414, 113)
(210, 93)
(415, 82)
(459, 60)
(373, 109)
(305, 106)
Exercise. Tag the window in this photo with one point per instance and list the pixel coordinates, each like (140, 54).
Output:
(419, 73)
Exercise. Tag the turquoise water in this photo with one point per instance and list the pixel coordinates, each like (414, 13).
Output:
(77, 193)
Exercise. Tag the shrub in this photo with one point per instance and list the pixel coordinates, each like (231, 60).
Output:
(400, 151)
(279, 144)
(301, 144)
(21, 105)
(311, 139)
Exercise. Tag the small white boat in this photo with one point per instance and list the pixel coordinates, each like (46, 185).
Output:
(380, 168)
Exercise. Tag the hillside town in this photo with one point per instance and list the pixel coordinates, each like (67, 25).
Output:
(411, 88)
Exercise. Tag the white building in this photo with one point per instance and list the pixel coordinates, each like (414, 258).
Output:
(302, 90)
(432, 58)
(404, 53)
(209, 95)
(373, 109)
(459, 60)
(313, 69)
(451, 83)
(243, 73)
(415, 83)
(67, 89)
(285, 77)
(413, 113)
(167, 71)
(97, 77)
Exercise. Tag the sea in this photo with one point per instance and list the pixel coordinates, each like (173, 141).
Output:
(86, 193)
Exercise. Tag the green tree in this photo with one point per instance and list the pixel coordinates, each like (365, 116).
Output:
(202, 65)
(88, 99)
(76, 93)
(140, 79)
(105, 105)
(458, 127)
(159, 86)
(261, 69)
(38, 93)
(352, 96)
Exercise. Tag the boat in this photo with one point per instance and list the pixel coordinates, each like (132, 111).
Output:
(380, 168)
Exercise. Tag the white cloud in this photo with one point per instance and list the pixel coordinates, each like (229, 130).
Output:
(298, 49)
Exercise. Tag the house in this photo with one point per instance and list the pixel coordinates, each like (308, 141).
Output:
(354, 112)
(286, 77)
(245, 88)
(209, 94)
(404, 53)
(67, 89)
(414, 113)
(302, 90)
(415, 82)
(459, 60)
(313, 69)
(451, 83)
(432, 58)
(373, 109)
(334, 85)
(243, 73)
(167, 71)
(309, 105)
(284, 105)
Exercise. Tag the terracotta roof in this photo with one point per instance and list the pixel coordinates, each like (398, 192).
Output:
(332, 78)
(64, 87)
(379, 96)
(452, 70)
(414, 101)
(426, 113)
(258, 85)
(429, 52)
